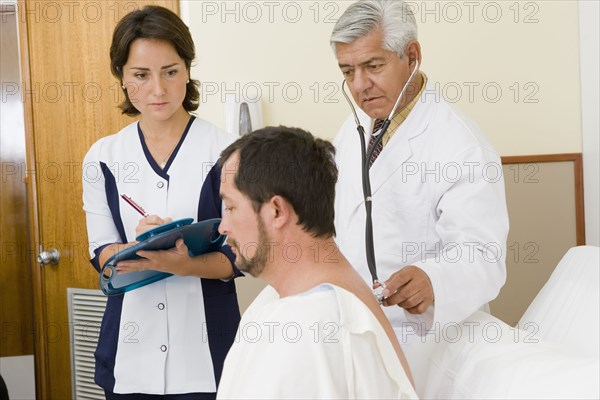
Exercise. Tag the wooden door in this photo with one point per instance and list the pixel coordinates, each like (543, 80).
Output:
(71, 101)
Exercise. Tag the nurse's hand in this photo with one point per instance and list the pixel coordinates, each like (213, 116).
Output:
(150, 222)
(175, 261)
(409, 288)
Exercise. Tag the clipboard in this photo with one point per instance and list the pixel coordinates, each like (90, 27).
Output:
(200, 238)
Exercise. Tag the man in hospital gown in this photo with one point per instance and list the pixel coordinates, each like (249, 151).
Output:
(316, 330)
(439, 211)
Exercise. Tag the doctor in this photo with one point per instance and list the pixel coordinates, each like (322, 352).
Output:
(438, 206)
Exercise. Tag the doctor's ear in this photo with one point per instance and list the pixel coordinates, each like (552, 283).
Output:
(413, 52)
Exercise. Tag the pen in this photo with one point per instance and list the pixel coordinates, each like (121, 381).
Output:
(134, 205)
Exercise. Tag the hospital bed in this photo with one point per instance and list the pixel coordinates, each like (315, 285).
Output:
(552, 353)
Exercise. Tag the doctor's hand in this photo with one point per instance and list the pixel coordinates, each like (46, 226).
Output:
(175, 261)
(150, 222)
(409, 288)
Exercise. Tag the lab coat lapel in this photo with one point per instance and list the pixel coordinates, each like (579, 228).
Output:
(398, 150)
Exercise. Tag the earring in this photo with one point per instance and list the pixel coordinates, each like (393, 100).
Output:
(188, 81)
(123, 86)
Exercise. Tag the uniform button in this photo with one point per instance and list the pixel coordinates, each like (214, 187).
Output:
(161, 306)
(160, 185)
(163, 348)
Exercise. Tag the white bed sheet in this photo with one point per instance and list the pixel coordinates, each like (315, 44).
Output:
(492, 360)
(567, 309)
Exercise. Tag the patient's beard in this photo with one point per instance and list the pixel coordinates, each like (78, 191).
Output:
(256, 264)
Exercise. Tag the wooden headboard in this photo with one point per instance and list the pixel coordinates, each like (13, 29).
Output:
(545, 206)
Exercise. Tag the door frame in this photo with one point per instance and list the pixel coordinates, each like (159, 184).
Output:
(39, 312)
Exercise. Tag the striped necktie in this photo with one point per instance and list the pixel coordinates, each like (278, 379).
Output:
(377, 126)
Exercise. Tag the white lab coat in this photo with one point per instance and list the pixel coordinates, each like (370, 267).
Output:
(438, 203)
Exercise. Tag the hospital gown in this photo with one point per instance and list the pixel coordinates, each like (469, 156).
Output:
(323, 343)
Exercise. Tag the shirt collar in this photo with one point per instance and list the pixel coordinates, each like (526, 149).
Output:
(402, 114)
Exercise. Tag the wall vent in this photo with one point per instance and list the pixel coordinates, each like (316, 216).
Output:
(86, 308)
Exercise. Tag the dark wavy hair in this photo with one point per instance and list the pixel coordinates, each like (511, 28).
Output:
(153, 22)
(291, 163)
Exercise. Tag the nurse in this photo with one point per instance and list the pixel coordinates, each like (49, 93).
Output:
(439, 211)
(169, 338)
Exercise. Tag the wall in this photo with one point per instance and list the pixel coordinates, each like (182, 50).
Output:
(512, 66)
(589, 12)
(18, 374)
(541, 204)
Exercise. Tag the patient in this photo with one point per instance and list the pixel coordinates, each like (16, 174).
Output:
(316, 330)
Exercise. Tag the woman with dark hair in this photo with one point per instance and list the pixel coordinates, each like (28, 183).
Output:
(168, 338)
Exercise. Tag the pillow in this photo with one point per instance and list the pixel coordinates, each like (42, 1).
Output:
(567, 309)
(484, 358)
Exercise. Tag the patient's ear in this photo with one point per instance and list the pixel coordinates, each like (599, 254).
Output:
(280, 212)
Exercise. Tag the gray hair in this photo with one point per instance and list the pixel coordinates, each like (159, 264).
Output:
(394, 17)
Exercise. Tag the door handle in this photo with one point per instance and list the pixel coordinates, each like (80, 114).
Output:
(51, 256)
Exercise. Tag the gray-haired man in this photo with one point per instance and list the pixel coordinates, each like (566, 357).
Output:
(438, 205)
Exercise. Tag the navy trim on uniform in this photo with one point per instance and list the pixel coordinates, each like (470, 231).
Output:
(222, 313)
(211, 205)
(220, 296)
(141, 396)
(96, 260)
(160, 171)
(106, 351)
(149, 157)
(112, 197)
(174, 153)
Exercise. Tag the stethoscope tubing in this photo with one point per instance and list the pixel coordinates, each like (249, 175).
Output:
(366, 155)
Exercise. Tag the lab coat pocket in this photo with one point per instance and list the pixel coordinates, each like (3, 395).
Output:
(400, 222)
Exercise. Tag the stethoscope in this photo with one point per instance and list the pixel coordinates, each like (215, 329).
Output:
(378, 286)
